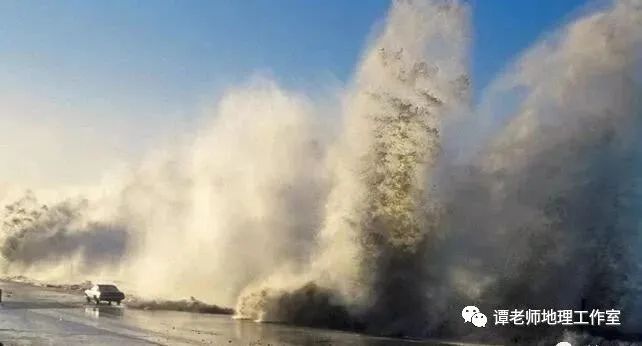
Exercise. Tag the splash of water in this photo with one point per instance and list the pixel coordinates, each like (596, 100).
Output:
(379, 213)
(208, 217)
(34, 234)
(401, 217)
(545, 212)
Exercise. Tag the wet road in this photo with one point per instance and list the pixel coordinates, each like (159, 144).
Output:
(31, 315)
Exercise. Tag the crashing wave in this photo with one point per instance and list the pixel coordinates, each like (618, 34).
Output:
(415, 205)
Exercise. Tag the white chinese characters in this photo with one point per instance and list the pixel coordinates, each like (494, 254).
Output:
(552, 317)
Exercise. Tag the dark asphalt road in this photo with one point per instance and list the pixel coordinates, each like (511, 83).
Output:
(31, 315)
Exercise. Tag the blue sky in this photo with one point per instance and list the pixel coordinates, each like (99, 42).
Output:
(146, 61)
(170, 51)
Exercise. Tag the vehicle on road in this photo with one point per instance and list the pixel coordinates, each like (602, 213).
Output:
(105, 293)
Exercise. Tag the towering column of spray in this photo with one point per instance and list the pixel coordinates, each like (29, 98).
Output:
(543, 212)
(380, 210)
(551, 220)
(567, 161)
(413, 76)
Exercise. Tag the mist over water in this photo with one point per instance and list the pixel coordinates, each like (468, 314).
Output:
(414, 205)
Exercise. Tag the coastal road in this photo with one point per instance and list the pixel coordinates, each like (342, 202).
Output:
(33, 315)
